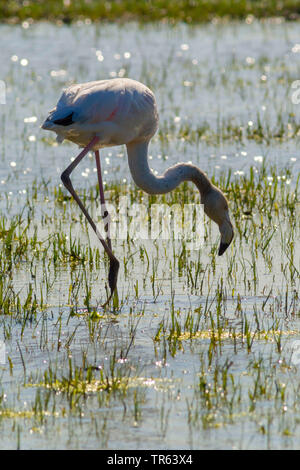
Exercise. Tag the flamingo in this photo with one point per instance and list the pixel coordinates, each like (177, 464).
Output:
(123, 111)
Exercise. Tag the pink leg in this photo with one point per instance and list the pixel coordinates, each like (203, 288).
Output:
(65, 177)
(104, 212)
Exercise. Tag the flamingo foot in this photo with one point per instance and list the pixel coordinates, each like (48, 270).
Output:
(112, 278)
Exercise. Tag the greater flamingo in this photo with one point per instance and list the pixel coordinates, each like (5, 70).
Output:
(123, 111)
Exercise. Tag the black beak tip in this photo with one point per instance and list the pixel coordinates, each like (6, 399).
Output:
(223, 248)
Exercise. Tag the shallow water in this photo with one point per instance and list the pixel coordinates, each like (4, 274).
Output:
(215, 75)
(218, 77)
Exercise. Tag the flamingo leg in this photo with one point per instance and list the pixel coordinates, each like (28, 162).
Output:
(104, 212)
(65, 177)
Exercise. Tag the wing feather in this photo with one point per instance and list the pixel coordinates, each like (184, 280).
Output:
(91, 102)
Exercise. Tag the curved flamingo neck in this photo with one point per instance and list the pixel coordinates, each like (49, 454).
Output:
(145, 179)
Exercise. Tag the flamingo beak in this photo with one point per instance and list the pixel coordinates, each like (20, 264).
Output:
(223, 247)
(227, 235)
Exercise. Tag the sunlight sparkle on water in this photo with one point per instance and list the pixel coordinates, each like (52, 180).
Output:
(58, 73)
(30, 119)
(99, 56)
(296, 48)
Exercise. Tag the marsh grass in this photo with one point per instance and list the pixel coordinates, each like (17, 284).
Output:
(95, 354)
(153, 10)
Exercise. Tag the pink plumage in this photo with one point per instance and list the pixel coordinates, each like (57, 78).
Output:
(118, 111)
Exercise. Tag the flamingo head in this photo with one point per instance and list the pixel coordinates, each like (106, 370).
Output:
(216, 208)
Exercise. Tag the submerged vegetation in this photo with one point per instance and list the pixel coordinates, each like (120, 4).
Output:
(189, 11)
(94, 359)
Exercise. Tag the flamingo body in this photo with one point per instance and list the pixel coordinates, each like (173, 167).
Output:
(118, 111)
(123, 111)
